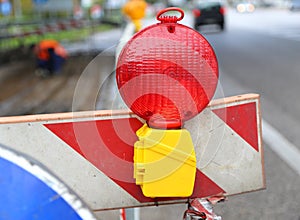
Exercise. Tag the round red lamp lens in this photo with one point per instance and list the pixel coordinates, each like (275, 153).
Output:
(167, 74)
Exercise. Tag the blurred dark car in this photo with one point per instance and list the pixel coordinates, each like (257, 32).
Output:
(209, 12)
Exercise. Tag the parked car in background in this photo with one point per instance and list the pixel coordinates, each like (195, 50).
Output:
(209, 12)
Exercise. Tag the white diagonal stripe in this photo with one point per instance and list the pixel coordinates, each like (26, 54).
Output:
(224, 156)
(281, 146)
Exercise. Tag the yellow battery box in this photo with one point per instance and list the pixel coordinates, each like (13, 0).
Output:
(164, 162)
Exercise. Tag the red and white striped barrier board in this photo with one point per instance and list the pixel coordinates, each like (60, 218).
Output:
(92, 152)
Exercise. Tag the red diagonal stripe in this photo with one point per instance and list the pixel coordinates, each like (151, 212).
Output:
(243, 120)
(108, 145)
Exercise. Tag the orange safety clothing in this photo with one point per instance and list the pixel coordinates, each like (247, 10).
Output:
(41, 49)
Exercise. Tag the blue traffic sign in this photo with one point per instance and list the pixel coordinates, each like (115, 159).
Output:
(29, 191)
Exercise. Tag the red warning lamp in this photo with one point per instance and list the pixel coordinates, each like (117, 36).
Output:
(167, 73)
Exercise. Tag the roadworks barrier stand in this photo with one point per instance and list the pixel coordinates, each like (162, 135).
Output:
(92, 152)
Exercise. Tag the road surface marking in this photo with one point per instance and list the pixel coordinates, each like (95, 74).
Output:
(281, 146)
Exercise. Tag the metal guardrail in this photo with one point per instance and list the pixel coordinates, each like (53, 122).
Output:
(14, 35)
(23, 30)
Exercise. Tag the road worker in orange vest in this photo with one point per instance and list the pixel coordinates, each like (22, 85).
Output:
(135, 10)
(50, 57)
